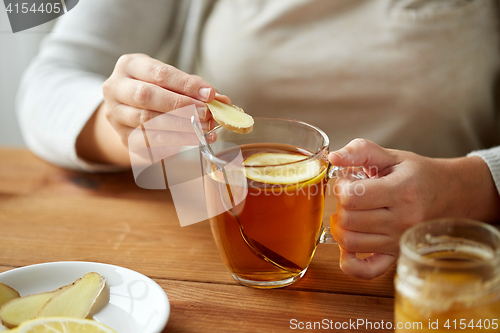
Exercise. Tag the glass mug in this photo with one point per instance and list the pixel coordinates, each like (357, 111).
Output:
(269, 238)
(448, 278)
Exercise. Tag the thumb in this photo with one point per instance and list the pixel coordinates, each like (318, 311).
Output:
(363, 153)
(368, 268)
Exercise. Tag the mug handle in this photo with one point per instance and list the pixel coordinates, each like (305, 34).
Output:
(351, 173)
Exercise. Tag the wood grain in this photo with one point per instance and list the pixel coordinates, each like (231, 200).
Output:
(24, 173)
(143, 236)
(51, 214)
(197, 306)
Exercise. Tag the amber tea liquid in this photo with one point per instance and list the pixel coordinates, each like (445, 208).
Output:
(285, 218)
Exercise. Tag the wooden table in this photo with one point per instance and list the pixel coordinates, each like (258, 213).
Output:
(51, 214)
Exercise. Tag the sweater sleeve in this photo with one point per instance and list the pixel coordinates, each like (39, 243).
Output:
(61, 89)
(492, 158)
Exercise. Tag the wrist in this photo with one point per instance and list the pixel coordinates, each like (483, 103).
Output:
(468, 189)
(98, 142)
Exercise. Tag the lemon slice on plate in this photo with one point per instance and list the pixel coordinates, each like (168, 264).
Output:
(62, 325)
(275, 168)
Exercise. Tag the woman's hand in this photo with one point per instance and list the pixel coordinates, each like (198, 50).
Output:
(403, 189)
(140, 89)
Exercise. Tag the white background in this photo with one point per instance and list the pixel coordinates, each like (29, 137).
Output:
(16, 51)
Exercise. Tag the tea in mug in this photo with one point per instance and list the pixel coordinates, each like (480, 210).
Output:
(283, 211)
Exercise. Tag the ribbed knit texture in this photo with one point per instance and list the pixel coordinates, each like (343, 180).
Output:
(492, 158)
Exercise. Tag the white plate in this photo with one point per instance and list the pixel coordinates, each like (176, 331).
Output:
(137, 304)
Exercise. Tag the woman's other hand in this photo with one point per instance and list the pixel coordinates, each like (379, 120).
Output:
(403, 189)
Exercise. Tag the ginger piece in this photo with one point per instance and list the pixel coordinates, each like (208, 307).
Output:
(7, 293)
(76, 300)
(231, 117)
(18, 310)
(73, 300)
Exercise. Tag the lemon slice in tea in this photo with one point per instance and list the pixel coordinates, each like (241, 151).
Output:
(62, 325)
(277, 170)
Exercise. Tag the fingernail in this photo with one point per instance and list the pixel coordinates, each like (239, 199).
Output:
(205, 93)
(342, 153)
(202, 112)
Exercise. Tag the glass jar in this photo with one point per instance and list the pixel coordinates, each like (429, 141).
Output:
(448, 278)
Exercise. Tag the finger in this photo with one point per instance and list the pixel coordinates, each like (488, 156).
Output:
(368, 268)
(223, 98)
(218, 96)
(143, 156)
(152, 120)
(148, 96)
(373, 221)
(122, 131)
(365, 194)
(150, 70)
(360, 242)
(187, 112)
(360, 152)
(146, 145)
(213, 124)
(157, 138)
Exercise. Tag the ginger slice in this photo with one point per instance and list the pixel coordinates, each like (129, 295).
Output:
(7, 293)
(73, 300)
(231, 117)
(20, 309)
(76, 300)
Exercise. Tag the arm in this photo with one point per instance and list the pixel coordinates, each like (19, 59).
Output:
(62, 88)
(98, 142)
(403, 189)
